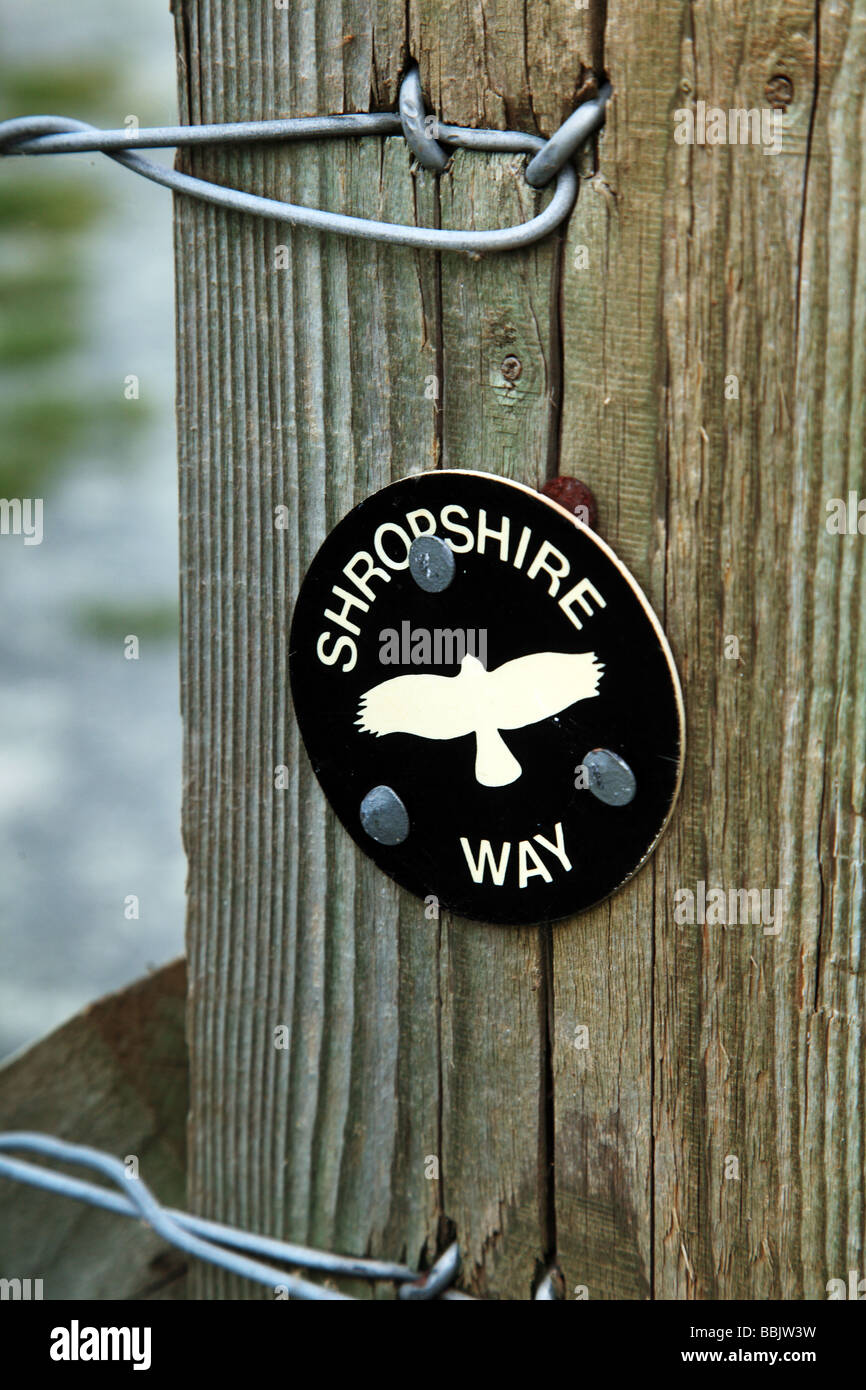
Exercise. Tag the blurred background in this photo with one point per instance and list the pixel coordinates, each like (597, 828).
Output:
(90, 742)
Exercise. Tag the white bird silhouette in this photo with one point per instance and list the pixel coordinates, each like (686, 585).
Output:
(482, 702)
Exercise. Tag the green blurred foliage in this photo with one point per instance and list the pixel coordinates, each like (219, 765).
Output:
(39, 199)
(149, 623)
(40, 436)
(45, 214)
(58, 89)
(36, 323)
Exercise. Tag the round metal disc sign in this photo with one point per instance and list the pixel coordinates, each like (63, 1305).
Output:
(486, 697)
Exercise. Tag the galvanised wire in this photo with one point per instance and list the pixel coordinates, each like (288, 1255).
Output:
(40, 135)
(222, 1245)
(206, 1239)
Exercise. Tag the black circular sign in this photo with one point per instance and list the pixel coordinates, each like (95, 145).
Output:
(486, 697)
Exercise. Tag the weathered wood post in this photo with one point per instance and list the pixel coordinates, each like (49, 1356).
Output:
(692, 347)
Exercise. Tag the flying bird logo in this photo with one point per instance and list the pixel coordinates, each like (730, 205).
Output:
(481, 702)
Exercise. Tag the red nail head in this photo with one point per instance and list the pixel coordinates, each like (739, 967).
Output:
(575, 497)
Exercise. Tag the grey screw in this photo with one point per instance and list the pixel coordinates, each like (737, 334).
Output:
(384, 817)
(431, 564)
(611, 779)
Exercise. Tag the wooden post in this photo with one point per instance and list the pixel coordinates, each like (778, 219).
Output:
(113, 1077)
(687, 347)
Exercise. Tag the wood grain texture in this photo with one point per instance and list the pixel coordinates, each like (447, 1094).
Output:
(309, 386)
(114, 1077)
(495, 986)
(603, 962)
(706, 262)
(300, 405)
(505, 63)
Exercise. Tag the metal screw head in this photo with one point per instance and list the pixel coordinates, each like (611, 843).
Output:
(611, 779)
(384, 817)
(431, 564)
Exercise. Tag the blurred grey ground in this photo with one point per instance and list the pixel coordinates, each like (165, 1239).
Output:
(90, 743)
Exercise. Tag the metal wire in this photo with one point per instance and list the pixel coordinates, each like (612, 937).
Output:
(205, 1239)
(39, 135)
(564, 142)
(419, 138)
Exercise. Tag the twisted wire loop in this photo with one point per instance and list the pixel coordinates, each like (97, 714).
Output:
(206, 1239)
(39, 135)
